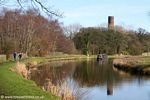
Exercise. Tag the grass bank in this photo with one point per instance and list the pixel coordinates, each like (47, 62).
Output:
(133, 64)
(12, 84)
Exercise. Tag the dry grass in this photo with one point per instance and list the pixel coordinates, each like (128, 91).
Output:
(59, 90)
(24, 70)
(21, 69)
(66, 91)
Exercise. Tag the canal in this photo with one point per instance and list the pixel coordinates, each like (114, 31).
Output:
(92, 80)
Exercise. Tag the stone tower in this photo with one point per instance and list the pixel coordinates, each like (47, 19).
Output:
(111, 22)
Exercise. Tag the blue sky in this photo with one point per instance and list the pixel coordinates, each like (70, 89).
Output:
(130, 14)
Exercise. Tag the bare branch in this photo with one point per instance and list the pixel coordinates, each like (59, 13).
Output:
(47, 10)
(35, 4)
(19, 2)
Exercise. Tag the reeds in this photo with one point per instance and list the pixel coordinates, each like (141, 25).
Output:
(66, 91)
(61, 90)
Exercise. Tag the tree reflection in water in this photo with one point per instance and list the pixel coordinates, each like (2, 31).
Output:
(60, 76)
(81, 76)
(92, 73)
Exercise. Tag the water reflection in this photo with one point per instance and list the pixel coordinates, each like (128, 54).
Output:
(52, 71)
(93, 73)
(109, 89)
(90, 78)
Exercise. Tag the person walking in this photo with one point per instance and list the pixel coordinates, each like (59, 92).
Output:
(15, 56)
(20, 56)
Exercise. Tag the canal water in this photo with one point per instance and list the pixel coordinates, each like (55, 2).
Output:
(92, 80)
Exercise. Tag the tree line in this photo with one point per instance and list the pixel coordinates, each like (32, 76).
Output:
(29, 32)
(94, 40)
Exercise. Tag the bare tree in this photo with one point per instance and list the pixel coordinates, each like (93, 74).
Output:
(31, 33)
(71, 30)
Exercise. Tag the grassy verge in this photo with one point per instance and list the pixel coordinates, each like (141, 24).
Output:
(134, 64)
(12, 84)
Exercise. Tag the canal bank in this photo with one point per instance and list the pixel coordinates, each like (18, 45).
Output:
(13, 84)
(137, 65)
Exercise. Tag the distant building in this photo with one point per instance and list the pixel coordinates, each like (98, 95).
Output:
(110, 22)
